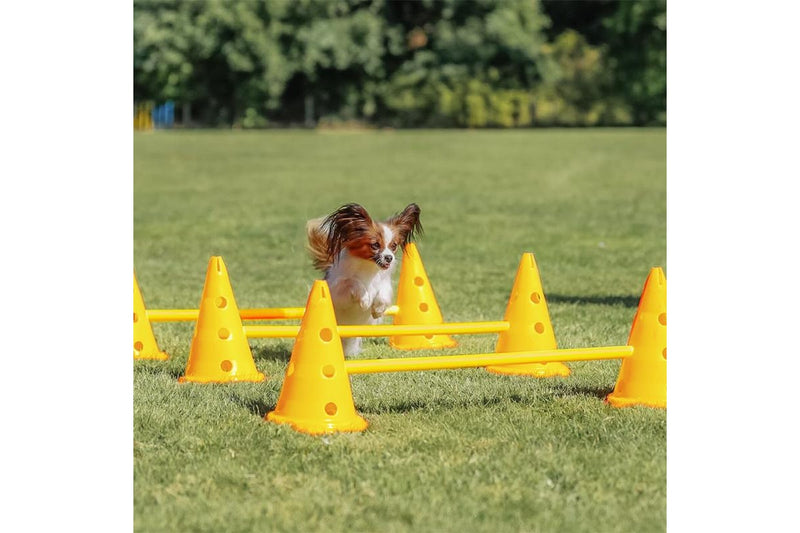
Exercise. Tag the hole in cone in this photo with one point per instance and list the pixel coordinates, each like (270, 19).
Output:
(221, 302)
(326, 334)
(328, 371)
(224, 333)
(331, 409)
(423, 307)
(226, 366)
(539, 327)
(662, 319)
(419, 282)
(135, 318)
(536, 297)
(664, 353)
(138, 346)
(429, 337)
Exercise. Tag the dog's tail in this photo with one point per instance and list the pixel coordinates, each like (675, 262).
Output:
(317, 245)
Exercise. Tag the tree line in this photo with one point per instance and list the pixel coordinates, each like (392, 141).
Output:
(404, 63)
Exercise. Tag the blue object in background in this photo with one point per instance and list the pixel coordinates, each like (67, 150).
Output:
(164, 115)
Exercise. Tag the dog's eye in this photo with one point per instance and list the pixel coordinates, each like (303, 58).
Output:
(375, 246)
(393, 246)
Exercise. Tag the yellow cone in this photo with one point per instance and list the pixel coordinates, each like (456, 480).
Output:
(642, 377)
(220, 352)
(316, 397)
(417, 305)
(144, 342)
(530, 328)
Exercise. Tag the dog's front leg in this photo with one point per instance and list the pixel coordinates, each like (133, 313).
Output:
(348, 291)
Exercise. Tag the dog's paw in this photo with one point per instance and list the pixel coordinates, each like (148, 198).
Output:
(378, 309)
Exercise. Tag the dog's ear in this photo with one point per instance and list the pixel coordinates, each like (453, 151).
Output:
(406, 224)
(349, 222)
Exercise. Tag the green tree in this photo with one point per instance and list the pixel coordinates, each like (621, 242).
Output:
(632, 36)
(637, 42)
(478, 63)
(457, 54)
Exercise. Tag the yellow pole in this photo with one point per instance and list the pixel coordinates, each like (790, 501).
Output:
(385, 330)
(267, 313)
(270, 332)
(448, 362)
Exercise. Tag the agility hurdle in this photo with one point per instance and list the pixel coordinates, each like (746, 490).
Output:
(414, 289)
(316, 396)
(526, 326)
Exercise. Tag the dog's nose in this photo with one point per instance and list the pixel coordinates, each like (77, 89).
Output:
(387, 259)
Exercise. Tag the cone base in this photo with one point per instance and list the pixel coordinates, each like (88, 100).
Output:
(319, 427)
(422, 342)
(620, 401)
(158, 356)
(254, 378)
(538, 370)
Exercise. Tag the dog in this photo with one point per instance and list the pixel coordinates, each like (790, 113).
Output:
(357, 256)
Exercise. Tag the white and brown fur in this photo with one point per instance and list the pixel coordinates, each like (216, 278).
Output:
(357, 255)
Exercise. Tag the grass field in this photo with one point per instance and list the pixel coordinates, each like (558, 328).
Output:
(445, 451)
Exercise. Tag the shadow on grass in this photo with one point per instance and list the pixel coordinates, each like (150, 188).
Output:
(257, 407)
(625, 301)
(273, 352)
(424, 404)
(157, 367)
(564, 389)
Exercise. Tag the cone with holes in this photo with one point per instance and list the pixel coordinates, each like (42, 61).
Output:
(144, 342)
(529, 325)
(417, 305)
(642, 377)
(220, 352)
(316, 397)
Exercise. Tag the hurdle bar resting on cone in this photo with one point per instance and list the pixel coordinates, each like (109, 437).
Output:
(453, 362)
(316, 396)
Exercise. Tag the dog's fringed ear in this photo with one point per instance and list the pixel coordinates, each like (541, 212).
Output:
(349, 222)
(407, 223)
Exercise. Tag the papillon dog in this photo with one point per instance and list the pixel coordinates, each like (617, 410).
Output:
(357, 255)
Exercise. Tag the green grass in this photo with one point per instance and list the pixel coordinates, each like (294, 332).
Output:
(457, 450)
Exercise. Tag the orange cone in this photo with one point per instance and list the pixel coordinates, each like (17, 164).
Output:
(220, 352)
(642, 377)
(417, 305)
(530, 328)
(316, 397)
(144, 342)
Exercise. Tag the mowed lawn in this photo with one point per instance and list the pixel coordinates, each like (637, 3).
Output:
(460, 450)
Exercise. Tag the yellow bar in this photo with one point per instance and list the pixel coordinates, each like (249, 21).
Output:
(267, 313)
(454, 328)
(385, 330)
(448, 362)
(270, 332)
